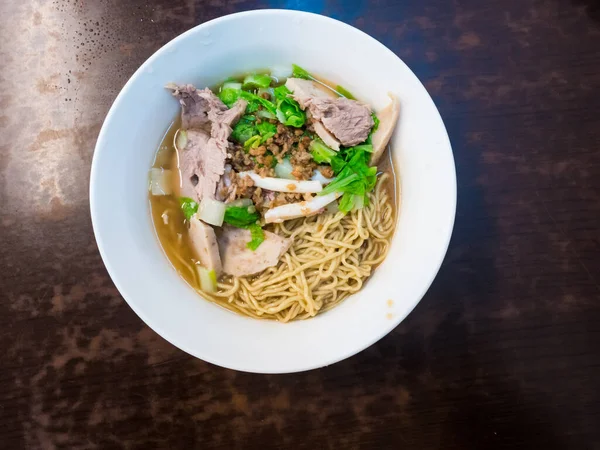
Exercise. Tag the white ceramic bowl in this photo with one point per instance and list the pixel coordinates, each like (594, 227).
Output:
(136, 124)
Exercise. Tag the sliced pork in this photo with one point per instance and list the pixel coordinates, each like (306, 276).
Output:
(202, 109)
(337, 119)
(348, 120)
(304, 90)
(208, 123)
(238, 260)
(195, 105)
(204, 244)
(201, 163)
(222, 121)
(328, 138)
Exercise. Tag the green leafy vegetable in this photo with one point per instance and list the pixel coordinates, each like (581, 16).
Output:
(266, 130)
(232, 84)
(188, 206)
(253, 142)
(255, 102)
(344, 92)
(373, 128)
(241, 217)
(299, 72)
(229, 96)
(246, 217)
(320, 152)
(364, 147)
(376, 120)
(266, 136)
(354, 177)
(264, 114)
(244, 129)
(266, 127)
(346, 202)
(256, 81)
(281, 93)
(288, 110)
(258, 236)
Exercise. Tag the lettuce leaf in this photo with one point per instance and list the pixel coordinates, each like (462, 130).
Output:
(255, 81)
(376, 120)
(246, 217)
(258, 236)
(288, 110)
(240, 216)
(320, 152)
(354, 177)
(229, 96)
(266, 128)
(253, 142)
(244, 129)
(256, 101)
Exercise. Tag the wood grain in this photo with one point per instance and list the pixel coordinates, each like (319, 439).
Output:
(501, 353)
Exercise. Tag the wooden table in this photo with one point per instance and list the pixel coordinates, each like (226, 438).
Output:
(502, 352)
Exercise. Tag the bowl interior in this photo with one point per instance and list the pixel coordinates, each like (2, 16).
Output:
(141, 115)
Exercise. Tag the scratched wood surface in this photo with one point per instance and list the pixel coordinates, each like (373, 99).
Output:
(502, 352)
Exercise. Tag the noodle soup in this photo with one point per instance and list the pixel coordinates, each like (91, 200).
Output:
(297, 208)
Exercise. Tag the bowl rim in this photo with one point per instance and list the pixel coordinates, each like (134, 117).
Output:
(435, 266)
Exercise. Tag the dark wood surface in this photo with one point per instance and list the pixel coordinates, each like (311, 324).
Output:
(502, 352)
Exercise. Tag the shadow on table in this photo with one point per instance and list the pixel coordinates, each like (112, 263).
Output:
(592, 8)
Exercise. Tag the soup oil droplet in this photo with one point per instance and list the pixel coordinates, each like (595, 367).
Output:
(390, 303)
(389, 316)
